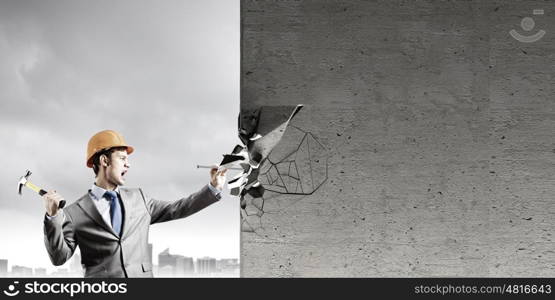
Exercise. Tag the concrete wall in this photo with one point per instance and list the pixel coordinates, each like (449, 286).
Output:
(439, 130)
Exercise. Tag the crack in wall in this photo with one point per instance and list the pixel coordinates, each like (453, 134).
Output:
(301, 171)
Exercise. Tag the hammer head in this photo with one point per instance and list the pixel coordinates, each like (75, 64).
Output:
(22, 181)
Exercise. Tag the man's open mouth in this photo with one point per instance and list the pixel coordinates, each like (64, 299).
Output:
(123, 173)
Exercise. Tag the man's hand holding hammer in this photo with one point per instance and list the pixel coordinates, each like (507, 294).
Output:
(51, 202)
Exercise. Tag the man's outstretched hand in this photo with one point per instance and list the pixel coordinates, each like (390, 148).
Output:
(217, 177)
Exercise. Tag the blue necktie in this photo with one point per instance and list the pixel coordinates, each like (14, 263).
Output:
(115, 210)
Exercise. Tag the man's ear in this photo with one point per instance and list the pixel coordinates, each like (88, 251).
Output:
(104, 161)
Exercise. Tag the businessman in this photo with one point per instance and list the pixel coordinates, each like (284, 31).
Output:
(110, 223)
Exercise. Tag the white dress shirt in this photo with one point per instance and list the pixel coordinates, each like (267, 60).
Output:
(102, 203)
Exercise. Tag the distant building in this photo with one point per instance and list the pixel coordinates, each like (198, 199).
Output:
(170, 265)
(40, 272)
(75, 267)
(21, 271)
(165, 271)
(165, 259)
(150, 254)
(184, 265)
(63, 272)
(227, 265)
(206, 265)
(3, 267)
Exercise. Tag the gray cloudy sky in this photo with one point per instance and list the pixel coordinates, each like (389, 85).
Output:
(163, 73)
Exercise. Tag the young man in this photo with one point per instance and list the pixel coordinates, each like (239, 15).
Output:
(110, 223)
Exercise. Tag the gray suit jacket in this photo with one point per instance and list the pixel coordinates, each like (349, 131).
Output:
(103, 252)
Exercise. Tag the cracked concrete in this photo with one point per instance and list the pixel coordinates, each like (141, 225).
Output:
(440, 135)
(298, 166)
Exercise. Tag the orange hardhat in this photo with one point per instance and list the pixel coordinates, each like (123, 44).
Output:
(105, 140)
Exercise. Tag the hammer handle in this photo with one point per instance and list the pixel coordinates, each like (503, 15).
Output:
(34, 187)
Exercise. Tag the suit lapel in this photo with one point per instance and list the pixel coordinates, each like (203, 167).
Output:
(90, 210)
(124, 195)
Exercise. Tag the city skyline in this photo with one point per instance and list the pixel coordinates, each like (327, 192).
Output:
(204, 265)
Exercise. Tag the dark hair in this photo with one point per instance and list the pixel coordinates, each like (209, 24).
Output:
(108, 152)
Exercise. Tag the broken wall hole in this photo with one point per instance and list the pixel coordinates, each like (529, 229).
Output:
(297, 166)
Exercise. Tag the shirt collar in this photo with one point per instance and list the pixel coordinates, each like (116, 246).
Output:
(98, 192)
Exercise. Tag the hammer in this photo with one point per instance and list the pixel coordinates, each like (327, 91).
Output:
(24, 181)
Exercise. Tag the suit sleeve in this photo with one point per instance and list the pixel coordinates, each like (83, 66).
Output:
(59, 238)
(162, 211)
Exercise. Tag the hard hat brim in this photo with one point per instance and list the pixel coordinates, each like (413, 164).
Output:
(129, 150)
